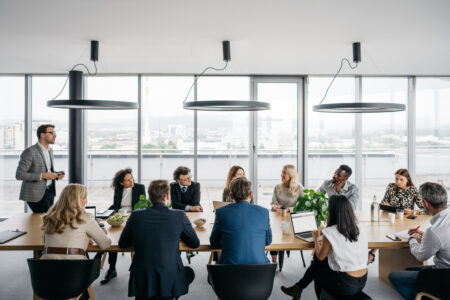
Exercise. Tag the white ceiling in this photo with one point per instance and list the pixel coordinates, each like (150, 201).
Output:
(398, 37)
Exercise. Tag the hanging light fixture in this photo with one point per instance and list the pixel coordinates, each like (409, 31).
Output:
(356, 107)
(223, 105)
(76, 100)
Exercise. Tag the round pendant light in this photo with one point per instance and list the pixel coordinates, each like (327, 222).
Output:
(223, 105)
(76, 100)
(359, 107)
(226, 105)
(356, 107)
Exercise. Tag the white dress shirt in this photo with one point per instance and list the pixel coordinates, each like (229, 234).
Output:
(126, 198)
(47, 161)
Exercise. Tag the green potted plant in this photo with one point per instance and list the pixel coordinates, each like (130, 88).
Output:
(143, 203)
(315, 201)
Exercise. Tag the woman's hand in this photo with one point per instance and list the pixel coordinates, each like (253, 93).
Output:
(91, 241)
(277, 207)
(316, 235)
(408, 211)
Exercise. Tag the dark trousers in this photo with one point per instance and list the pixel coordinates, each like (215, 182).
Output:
(190, 276)
(403, 281)
(112, 259)
(335, 283)
(45, 203)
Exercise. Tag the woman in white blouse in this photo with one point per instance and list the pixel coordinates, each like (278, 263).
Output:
(286, 194)
(68, 229)
(339, 265)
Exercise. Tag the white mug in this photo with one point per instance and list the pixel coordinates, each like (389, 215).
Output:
(123, 212)
(392, 218)
(285, 227)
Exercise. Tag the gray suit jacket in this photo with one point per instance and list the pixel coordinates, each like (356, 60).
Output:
(31, 165)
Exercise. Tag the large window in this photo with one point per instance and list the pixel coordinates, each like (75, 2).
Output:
(331, 137)
(385, 143)
(167, 128)
(111, 136)
(276, 135)
(223, 137)
(433, 130)
(12, 138)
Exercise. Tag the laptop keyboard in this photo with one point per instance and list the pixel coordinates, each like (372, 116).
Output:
(305, 234)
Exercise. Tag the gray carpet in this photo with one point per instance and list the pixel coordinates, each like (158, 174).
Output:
(15, 279)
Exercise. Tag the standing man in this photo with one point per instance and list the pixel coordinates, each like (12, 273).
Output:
(435, 241)
(36, 171)
(157, 271)
(185, 193)
(339, 185)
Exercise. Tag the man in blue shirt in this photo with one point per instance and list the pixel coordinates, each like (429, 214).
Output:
(241, 230)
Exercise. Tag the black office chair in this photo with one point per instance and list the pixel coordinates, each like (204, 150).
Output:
(433, 283)
(360, 296)
(242, 282)
(62, 278)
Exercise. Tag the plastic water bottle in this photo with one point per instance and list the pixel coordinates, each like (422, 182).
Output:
(374, 210)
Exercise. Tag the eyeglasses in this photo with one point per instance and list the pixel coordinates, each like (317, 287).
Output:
(51, 132)
(186, 179)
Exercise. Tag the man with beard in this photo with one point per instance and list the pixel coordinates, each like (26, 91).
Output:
(339, 185)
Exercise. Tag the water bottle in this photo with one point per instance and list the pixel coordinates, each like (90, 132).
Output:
(374, 210)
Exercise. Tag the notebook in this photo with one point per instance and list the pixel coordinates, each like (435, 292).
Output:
(8, 235)
(403, 235)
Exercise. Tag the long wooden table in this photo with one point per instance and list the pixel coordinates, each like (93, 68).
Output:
(392, 255)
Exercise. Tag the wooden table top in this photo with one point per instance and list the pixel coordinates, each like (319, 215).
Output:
(376, 232)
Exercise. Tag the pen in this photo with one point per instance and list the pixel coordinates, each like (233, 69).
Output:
(417, 228)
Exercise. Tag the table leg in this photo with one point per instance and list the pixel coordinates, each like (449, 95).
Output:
(36, 254)
(280, 259)
(391, 260)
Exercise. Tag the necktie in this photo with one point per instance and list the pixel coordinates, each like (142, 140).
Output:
(184, 189)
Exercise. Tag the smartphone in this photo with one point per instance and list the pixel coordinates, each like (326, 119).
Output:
(411, 217)
(393, 237)
(101, 224)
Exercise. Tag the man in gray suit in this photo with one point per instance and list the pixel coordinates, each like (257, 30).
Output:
(36, 171)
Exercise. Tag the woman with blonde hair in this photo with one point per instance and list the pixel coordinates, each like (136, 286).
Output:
(286, 193)
(235, 172)
(68, 228)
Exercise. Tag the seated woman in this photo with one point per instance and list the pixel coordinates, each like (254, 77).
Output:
(235, 172)
(68, 228)
(286, 194)
(339, 265)
(402, 193)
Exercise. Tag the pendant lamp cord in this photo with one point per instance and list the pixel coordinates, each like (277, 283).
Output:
(67, 78)
(337, 73)
(201, 74)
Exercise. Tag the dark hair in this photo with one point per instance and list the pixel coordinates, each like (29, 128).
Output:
(434, 193)
(118, 178)
(43, 129)
(404, 173)
(347, 170)
(157, 190)
(341, 214)
(180, 171)
(231, 174)
(240, 188)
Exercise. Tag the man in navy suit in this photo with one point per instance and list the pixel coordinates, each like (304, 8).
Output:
(241, 230)
(157, 271)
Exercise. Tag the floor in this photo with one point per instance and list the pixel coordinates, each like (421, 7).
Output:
(15, 280)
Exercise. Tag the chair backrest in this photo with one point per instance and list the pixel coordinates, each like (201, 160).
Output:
(62, 279)
(239, 282)
(434, 282)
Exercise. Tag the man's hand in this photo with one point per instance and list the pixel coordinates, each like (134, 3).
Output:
(339, 185)
(197, 208)
(49, 176)
(60, 174)
(417, 236)
(412, 231)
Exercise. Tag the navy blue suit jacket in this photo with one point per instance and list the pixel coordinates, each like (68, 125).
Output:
(155, 233)
(242, 231)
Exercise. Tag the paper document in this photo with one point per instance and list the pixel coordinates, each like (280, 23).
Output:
(403, 234)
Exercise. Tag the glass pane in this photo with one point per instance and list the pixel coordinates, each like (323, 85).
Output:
(223, 137)
(385, 137)
(111, 136)
(277, 136)
(331, 136)
(45, 88)
(433, 131)
(12, 137)
(167, 128)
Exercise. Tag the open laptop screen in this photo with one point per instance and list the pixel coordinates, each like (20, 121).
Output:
(303, 222)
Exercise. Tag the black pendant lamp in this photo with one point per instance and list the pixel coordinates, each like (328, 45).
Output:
(76, 100)
(356, 107)
(223, 105)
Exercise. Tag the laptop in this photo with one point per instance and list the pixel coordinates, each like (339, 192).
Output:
(104, 214)
(219, 204)
(389, 208)
(303, 225)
